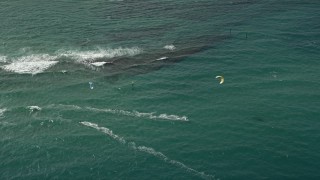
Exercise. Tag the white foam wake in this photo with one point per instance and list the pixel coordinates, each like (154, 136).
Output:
(137, 114)
(105, 130)
(32, 64)
(140, 114)
(147, 150)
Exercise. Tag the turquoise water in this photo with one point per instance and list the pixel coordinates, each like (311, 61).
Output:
(155, 109)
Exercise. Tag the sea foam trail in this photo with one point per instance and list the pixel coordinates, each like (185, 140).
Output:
(147, 150)
(137, 114)
(141, 114)
(105, 130)
(64, 107)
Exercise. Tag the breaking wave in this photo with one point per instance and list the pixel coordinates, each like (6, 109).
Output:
(32, 64)
(38, 63)
(147, 150)
(91, 56)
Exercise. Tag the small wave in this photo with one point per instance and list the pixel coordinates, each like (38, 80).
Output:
(34, 108)
(147, 150)
(32, 64)
(170, 47)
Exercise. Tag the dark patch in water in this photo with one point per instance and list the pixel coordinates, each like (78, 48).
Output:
(256, 118)
(241, 2)
(147, 62)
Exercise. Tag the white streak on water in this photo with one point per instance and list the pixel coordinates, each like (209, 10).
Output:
(105, 130)
(141, 114)
(147, 150)
(137, 114)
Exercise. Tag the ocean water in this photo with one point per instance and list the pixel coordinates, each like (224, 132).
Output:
(127, 89)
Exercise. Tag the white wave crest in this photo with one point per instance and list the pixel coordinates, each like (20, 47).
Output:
(148, 150)
(170, 47)
(29, 67)
(34, 108)
(32, 64)
(91, 56)
(99, 63)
